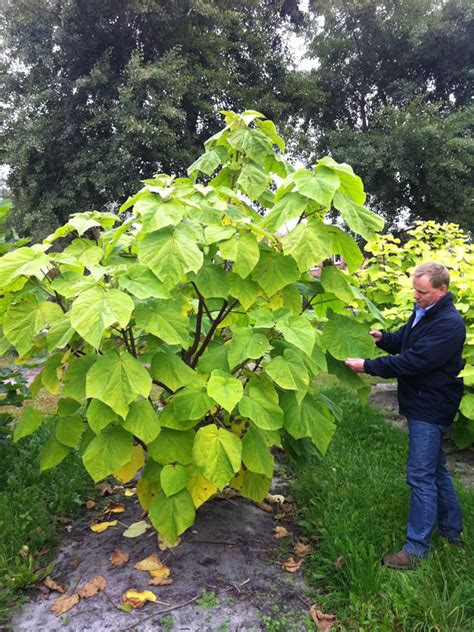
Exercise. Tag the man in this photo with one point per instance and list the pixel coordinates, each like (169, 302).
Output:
(426, 360)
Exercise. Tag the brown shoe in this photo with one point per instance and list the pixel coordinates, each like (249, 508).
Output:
(402, 561)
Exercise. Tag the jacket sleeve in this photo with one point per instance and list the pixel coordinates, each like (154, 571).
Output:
(426, 355)
(392, 342)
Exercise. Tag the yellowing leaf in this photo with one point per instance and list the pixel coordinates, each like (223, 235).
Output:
(145, 492)
(160, 581)
(137, 599)
(92, 587)
(164, 544)
(128, 471)
(130, 491)
(119, 558)
(99, 527)
(114, 508)
(280, 532)
(200, 488)
(150, 563)
(52, 585)
(64, 603)
(136, 529)
(90, 504)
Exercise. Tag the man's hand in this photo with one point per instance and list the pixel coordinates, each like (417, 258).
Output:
(356, 364)
(376, 334)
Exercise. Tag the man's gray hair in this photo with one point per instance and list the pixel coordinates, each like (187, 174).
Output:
(436, 272)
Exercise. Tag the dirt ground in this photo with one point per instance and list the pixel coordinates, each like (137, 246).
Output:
(229, 556)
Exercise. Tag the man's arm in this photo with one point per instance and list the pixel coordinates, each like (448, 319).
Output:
(391, 342)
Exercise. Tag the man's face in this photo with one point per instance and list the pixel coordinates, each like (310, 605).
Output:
(424, 293)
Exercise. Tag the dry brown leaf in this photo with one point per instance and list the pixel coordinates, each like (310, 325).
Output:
(90, 504)
(280, 532)
(92, 587)
(64, 603)
(52, 585)
(106, 489)
(154, 566)
(291, 565)
(160, 581)
(118, 558)
(114, 508)
(137, 599)
(302, 549)
(265, 507)
(323, 622)
(99, 527)
(339, 563)
(42, 551)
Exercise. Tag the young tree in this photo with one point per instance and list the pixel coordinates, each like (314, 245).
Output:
(177, 337)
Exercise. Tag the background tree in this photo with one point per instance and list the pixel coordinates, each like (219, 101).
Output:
(101, 94)
(392, 92)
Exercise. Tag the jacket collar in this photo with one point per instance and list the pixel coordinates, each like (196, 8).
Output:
(444, 302)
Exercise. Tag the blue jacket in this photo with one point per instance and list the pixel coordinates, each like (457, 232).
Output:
(426, 360)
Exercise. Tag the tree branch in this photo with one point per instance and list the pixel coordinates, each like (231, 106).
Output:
(161, 385)
(197, 335)
(221, 316)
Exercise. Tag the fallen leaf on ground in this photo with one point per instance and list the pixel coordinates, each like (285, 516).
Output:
(339, 563)
(130, 491)
(90, 504)
(64, 603)
(137, 599)
(280, 532)
(154, 566)
(42, 551)
(52, 585)
(277, 498)
(163, 543)
(160, 581)
(114, 508)
(302, 549)
(92, 587)
(265, 507)
(106, 489)
(136, 529)
(98, 527)
(322, 621)
(291, 565)
(288, 508)
(118, 558)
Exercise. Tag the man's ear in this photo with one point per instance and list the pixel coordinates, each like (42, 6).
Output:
(443, 289)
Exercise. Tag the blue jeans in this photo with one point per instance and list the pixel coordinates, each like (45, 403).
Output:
(433, 497)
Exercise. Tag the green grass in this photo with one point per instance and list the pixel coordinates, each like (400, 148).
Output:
(30, 507)
(355, 503)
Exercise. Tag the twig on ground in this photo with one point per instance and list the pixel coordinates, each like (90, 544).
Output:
(161, 612)
(109, 598)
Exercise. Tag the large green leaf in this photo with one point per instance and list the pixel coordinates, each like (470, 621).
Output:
(172, 516)
(251, 142)
(319, 186)
(288, 371)
(30, 420)
(156, 213)
(273, 272)
(117, 380)
(164, 320)
(226, 390)
(310, 419)
(71, 284)
(173, 446)
(169, 369)
(69, 430)
(174, 478)
(192, 402)
(99, 415)
(22, 262)
(336, 282)
(96, 309)
(255, 453)
(299, 331)
(344, 245)
(217, 452)
(60, 333)
(51, 373)
(358, 218)
(252, 180)
(170, 253)
(351, 184)
(347, 377)
(308, 244)
(243, 250)
(207, 163)
(52, 453)
(142, 283)
(215, 357)
(253, 486)
(142, 421)
(346, 338)
(467, 405)
(246, 344)
(245, 290)
(75, 377)
(26, 318)
(260, 404)
(289, 207)
(108, 452)
(213, 282)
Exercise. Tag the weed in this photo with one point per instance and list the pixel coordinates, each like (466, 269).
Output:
(208, 600)
(167, 623)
